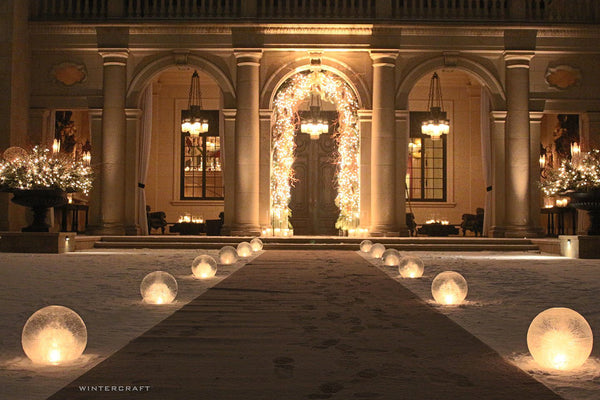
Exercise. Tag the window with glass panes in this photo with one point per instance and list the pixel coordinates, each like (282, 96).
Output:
(426, 169)
(201, 165)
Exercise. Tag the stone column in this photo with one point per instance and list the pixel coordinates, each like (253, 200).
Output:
(247, 145)
(264, 213)
(498, 178)
(518, 183)
(365, 121)
(114, 132)
(535, 128)
(402, 139)
(383, 177)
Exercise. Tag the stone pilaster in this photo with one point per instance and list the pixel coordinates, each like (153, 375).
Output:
(228, 163)
(247, 144)
(383, 135)
(402, 139)
(264, 214)
(132, 149)
(365, 121)
(95, 197)
(498, 178)
(535, 129)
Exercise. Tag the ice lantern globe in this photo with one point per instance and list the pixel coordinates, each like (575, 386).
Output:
(377, 250)
(204, 267)
(411, 267)
(365, 246)
(560, 338)
(158, 287)
(244, 249)
(228, 255)
(391, 257)
(54, 335)
(257, 244)
(449, 288)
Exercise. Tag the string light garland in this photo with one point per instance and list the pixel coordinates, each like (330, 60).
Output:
(580, 174)
(41, 169)
(334, 90)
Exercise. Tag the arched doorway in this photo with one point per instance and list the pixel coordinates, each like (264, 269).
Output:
(345, 159)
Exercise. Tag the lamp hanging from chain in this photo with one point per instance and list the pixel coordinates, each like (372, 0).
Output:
(315, 126)
(436, 125)
(192, 121)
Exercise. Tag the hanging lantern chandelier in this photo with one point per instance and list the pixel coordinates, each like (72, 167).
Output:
(436, 125)
(192, 121)
(314, 126)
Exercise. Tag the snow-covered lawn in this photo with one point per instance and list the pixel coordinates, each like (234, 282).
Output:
(506, 291)
(103, 287)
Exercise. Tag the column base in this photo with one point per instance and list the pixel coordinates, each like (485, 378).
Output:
(523, 232)
(389, 231)
(133, 230)
(496, 231)
(245, 230)
(106, 229)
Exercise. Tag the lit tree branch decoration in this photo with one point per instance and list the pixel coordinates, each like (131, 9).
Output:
(41, 169)
(580, 174)
(333, 89)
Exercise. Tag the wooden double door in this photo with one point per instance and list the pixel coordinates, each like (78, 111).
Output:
(313, 195)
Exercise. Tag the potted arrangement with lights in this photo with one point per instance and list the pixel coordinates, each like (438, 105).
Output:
(40, 179)
(579, 179)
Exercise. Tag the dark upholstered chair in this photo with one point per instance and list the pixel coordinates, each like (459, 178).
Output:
(473, 222)
(156, 220)
(411, 224)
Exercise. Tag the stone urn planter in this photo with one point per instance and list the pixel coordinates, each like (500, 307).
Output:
(39, 200)
(590, 202)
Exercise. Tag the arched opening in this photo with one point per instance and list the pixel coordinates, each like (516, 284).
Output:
(289, 101)
(185, 173)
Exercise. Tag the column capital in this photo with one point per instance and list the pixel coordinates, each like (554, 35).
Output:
(265, 113)
(229, 113)
(133, 113)
(365, 115)
(384, 58)
(114, 56)
(499, 116)
(95, 112)
(249, 57)
(402, 115)
(535, 116)
(518, 59)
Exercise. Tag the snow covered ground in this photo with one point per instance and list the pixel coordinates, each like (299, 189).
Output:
(103, 287)
(506, 292)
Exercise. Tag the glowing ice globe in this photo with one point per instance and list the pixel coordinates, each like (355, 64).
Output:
(377, 250)
(449, 288)
(365, 246)
(244, 249)
(159, 287)
(54, 335)
(391, 257)
(560, 338)
(204, 267)
(257, 244)
(411, 267)
(228, 255)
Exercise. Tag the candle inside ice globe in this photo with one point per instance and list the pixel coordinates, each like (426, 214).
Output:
(244, 249)
(391, 257)
(365, 246)
(257, 244)
(158, 287)
(228, 255)
(560, 338)
(377, 250)
(411, 267)
(54, 335)
(449, 288)
(204, 267)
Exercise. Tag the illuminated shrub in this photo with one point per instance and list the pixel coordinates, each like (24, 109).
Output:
(377, 250)
(411, 267)
(228, 255)
(560, 338)
(54, 335)
(257, 244)
(244, 249)
(365, 246)
(158, 287)
(449, 288)
(204, 267)
(391, 257)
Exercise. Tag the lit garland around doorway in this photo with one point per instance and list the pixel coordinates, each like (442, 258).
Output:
(333, 89)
